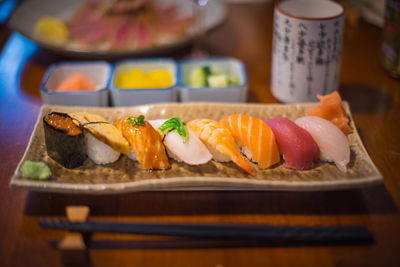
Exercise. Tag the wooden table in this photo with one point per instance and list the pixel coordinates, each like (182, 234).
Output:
(375, 101)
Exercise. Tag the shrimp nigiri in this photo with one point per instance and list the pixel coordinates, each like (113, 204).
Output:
(254, 137)
(182, 143)
(332, 142)
(219, 142)
(145, 141)
(331, 109)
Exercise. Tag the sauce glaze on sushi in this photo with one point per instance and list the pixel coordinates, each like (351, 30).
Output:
(145, 141)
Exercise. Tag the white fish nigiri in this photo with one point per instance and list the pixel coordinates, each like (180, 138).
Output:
(332, 142)
(189, 149)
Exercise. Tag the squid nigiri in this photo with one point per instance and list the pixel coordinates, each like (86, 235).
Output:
(331, 109)
(332, 142)
(181, 142)
(254, 137)
(219, 142)
(298, 148)
(145, 142)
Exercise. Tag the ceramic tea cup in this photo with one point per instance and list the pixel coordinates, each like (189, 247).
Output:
(306, 49)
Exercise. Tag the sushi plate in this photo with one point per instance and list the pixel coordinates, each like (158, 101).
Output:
(29, 12)
(125, 175)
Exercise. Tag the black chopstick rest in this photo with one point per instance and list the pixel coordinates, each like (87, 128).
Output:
(268, 233)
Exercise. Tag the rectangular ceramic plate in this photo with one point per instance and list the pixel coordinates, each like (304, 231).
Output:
(125, 175)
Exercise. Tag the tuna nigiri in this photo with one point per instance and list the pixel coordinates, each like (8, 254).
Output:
(181, 142)
(298, 148)
(332, 142)
(145, 142)
(219, 142)
(254, 137)
(331, 109)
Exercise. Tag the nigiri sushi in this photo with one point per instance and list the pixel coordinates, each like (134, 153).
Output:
(254, 137)
(98, 151)
(219, 142)
(145, 141)
(181, 142)
(332, 142)
(331, 109)
(298, 148)
(104, 141)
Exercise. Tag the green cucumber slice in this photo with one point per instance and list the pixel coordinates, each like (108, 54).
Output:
(198, 77)
(219, 80)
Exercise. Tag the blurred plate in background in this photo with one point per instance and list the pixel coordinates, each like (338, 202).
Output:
(26, 15)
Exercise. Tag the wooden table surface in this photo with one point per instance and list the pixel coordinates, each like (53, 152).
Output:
(374, 98)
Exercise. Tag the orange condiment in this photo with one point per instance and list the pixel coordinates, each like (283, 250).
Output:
(331, 109)
(77, 82)
(63, 123)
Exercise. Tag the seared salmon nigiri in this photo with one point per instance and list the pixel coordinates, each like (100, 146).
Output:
(219, 142)
(145, 141)
(254, 137)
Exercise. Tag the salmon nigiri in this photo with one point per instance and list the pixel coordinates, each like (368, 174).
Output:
(219, 142)
(331, 109)
(145, 141)
(254, 137)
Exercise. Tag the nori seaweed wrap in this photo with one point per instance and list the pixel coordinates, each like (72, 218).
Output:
(64, 140)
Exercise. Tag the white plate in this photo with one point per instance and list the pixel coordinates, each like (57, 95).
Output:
(25, 16)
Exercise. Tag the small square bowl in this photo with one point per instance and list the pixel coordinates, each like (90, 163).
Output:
(229, 66)
(140, 96)
(98, 71)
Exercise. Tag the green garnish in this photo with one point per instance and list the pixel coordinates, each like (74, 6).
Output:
(176, 125)
(139, 121)
(35, 170)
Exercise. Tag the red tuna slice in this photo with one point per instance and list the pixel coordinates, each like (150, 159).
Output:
(298, 148)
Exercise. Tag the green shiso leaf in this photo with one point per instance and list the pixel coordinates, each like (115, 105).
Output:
(175, 124)
(35, 170)
(139, 121)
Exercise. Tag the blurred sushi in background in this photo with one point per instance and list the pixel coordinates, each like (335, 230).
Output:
(115, 25)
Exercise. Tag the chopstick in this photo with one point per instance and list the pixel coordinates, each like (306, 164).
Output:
(268, 233)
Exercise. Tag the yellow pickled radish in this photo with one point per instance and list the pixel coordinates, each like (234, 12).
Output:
(132, 79)
(51, 30)
(138, 79)
(161, 78)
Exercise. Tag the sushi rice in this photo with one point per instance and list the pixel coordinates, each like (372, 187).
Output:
(98, 151)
